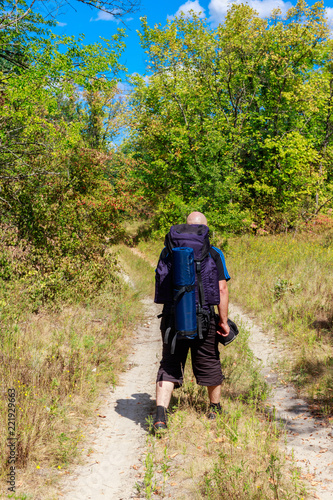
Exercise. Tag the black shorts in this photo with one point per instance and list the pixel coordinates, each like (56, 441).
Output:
(205, 359)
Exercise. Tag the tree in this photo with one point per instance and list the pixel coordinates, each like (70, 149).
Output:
(229, 120)
(56, 204)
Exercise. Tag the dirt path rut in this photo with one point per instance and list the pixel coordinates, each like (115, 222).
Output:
(309, 440)
(119, 440)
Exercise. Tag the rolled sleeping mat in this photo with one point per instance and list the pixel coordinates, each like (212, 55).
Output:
(184, 291)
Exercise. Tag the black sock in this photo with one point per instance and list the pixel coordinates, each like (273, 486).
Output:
(161, 414)
(215, 406)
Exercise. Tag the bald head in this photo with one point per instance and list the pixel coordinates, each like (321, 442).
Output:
(196, 218)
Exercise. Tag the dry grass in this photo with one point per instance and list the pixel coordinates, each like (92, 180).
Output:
(58, 363)
(235, 457)
(288, 283)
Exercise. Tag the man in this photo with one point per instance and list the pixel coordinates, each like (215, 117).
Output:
(205, 354)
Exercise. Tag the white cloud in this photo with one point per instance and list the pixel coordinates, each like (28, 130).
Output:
(61, 24)
(218, 8)
(329, 16)
(146, 78)
(105, 16)
(187, 7)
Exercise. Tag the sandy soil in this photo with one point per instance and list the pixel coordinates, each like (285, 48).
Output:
(115, 466)
(119, 440)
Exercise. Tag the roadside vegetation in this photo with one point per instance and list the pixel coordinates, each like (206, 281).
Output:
(65, 313)
(287, 281)
(58, 362)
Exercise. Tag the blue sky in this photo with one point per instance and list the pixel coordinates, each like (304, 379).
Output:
(94, 23)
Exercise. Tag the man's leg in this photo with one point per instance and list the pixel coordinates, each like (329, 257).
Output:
(214, 393)
(169, 374)
(164, 390)
(207, 368)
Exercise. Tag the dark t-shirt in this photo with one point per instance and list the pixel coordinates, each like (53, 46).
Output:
(220, 263)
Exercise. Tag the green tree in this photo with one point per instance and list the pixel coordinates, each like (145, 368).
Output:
(229, 120)
(57, 205)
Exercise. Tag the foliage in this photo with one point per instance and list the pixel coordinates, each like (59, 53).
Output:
(236, 120)
(63, 191)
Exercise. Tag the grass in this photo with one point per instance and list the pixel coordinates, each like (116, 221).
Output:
(238, 455)
(288, 282)
(58, 362)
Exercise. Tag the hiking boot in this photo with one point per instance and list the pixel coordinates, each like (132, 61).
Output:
(159, 426)
(160, 422)
(215, 409)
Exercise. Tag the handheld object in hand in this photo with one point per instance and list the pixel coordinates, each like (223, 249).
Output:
(227, 339)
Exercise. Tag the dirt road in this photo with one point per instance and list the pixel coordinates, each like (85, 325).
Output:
(119, 441)
(111, 471)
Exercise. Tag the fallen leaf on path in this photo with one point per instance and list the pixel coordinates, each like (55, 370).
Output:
(323, 451)
(299, 416)
(101, 416)
(173, 455)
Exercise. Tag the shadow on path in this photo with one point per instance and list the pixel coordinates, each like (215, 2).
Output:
(137, 408)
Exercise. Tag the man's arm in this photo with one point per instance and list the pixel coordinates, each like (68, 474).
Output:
(223, 307)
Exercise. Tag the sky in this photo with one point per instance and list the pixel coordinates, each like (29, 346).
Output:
(79, 18)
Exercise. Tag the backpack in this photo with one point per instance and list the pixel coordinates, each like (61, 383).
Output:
(194, 263)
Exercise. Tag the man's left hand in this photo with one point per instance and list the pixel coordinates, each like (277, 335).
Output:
(223, 329)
